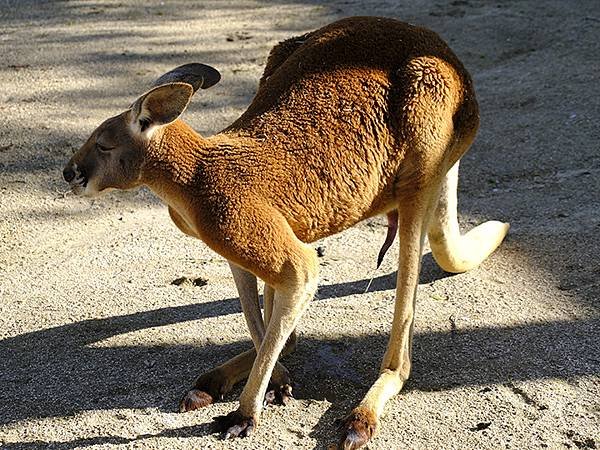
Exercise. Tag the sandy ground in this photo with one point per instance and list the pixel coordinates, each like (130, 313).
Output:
(97, 345)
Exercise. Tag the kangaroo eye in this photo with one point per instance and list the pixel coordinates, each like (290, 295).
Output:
(103, 148)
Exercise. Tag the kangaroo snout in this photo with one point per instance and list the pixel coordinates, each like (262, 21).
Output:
(68, 174)
(76, 177)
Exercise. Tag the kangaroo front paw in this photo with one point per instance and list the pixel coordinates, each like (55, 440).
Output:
(235, 424)
(357, 429)
(195, 399)
(278, 394)
(208, 388)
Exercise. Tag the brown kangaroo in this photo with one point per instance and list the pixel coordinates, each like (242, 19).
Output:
(365, 116)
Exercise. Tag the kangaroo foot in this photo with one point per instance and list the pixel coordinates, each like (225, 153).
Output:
(208, 388)
(235, 424)
(278, 394)
(357, 429)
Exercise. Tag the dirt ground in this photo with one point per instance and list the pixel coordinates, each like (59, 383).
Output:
(97, 344)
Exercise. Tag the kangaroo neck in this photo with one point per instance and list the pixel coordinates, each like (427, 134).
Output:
(175, 161)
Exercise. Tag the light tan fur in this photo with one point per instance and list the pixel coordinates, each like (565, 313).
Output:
(362, 117)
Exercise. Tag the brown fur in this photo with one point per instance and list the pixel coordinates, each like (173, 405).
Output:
(322, 176)
(336, 133)
(361, 117)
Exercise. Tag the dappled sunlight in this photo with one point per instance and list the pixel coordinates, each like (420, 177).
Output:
(97, 340)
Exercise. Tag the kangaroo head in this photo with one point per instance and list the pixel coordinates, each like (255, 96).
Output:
(113, 156)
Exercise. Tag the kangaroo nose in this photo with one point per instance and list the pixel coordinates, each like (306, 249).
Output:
(69, 174)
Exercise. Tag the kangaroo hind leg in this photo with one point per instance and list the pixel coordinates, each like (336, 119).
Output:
(291, 268)
(279, 391)
(362, 423)
(211, 386)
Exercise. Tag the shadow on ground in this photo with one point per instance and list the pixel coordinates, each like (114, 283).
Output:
(57, 371)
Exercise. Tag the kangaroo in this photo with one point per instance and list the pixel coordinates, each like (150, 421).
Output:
(365, 116)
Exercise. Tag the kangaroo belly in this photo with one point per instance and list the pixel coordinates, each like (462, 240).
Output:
(333, 198)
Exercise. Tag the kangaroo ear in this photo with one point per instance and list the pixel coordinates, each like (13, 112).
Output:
(160, 106)
(200, 76)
